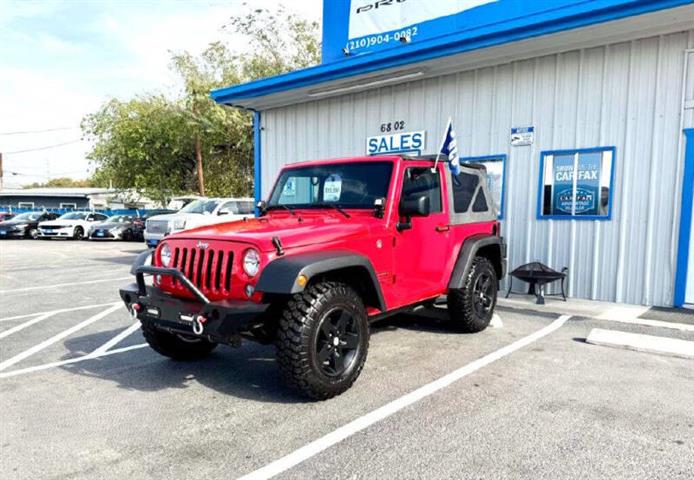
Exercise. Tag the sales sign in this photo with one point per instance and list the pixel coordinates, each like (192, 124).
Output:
(401, 142)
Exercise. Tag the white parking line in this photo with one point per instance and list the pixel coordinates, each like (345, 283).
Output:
(325, 442)
(83, 358)
(116, 340)
(56, 338)
(24, 325)
(61, 310)
(58, 285)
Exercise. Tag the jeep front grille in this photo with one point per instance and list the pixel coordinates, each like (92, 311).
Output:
(210, 270)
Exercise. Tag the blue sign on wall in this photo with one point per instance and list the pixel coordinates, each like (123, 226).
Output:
(587, 169)
(402, 142)
(354, 27)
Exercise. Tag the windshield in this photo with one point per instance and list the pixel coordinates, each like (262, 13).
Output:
(200, 206)
(239, 207)
(348, 185)
(74, 216)
(30, 217)
(118, 219)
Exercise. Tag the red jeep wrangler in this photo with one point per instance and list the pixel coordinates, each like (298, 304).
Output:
(338, 244)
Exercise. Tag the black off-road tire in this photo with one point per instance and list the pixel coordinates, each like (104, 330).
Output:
(174, 346)
(302, 329)
(464, 309)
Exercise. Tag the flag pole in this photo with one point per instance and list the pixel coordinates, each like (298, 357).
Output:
(443, 141)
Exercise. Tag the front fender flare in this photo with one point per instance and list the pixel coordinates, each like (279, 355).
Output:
(144, 258)
(280, 276)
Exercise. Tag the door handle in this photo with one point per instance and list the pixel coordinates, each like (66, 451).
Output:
(443, 228)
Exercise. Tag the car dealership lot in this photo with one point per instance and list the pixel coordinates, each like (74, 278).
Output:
(550, 407)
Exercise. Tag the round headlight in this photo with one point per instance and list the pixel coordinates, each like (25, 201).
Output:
(165, 255)
(251, 262)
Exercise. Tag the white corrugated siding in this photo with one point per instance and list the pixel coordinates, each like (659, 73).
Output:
(626, 95)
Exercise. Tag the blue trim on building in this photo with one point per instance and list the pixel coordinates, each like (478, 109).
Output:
(574, 151)
(581, 15)
(491, 158)
(257, 159)
(685, 221)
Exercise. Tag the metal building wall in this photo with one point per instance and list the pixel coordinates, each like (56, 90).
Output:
(627, 95)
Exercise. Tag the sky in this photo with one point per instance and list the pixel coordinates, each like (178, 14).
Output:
(60, 60)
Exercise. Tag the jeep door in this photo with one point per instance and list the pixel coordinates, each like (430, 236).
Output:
(422, 243)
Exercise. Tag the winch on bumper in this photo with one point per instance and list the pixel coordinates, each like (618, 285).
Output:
(220, 322)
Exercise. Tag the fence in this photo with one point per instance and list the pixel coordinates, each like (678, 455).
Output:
(60, 211)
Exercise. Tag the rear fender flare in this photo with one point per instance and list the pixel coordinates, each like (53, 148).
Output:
(280, 276)
(469, 251)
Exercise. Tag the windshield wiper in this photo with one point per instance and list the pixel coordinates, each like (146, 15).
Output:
(336, 207)
(286, 207)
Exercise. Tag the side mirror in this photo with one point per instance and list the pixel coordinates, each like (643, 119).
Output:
(415, 207)
(224, 211)
(262, 207)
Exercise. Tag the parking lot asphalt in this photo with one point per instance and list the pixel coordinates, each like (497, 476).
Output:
(529, 400)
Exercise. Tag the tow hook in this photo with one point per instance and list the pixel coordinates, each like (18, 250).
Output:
(134, 308)
(199, 324)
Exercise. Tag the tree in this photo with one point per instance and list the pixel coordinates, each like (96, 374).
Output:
(62, 182)
(165, 146)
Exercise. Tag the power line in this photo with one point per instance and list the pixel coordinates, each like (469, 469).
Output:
(47, 147)
(23, 132)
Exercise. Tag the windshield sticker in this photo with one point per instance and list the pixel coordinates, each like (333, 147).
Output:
(289, 189)
(332, 188)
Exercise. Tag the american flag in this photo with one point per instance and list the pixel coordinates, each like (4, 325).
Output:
(449, 149)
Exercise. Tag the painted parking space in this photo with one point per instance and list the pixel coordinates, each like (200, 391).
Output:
(94, 393)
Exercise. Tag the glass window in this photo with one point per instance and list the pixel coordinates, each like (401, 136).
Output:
(422, 181)
(464, 186)
(496, 178)
(348, 185)
(74, 216)
(577, 184)
(200, 206)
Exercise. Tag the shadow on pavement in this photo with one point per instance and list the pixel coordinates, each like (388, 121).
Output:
(249, 372)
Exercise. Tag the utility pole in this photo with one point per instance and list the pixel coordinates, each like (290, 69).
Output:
(1, 172)
(198, 161)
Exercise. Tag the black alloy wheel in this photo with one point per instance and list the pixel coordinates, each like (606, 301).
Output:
(337, 342)
(471, 307)
(79, 233)
(323, 339)
(33, 233)
(483, 294)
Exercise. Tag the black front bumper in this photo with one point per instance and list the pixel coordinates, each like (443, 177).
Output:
(225, 320)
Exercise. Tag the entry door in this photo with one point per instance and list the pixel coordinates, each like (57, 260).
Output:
(420, 253)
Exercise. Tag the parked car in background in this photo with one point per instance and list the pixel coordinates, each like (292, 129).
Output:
(177, 203)
(70, 225)
(24, 225)
(6, 216)
(139, 222)
(205, 211)
(115, 227)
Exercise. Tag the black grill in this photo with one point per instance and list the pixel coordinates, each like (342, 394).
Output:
(208, 269)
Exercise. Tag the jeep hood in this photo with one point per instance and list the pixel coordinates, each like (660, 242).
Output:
(292, 231)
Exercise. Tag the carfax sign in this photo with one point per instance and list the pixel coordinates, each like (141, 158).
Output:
(585, 199)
